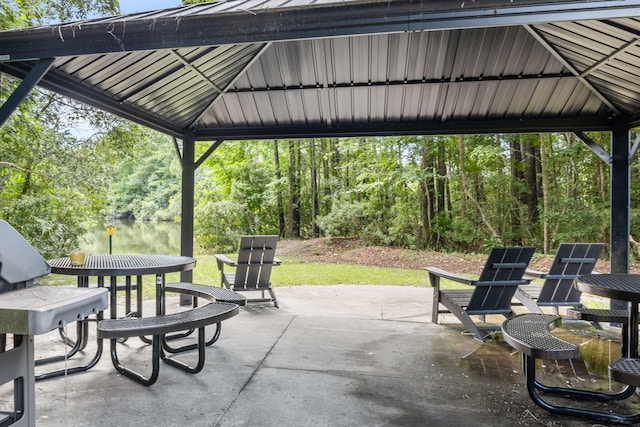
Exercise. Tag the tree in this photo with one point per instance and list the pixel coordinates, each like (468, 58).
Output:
(52, 181)
(278, 190)
(294, 188)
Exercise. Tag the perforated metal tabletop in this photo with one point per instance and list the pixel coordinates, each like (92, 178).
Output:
(122, 265)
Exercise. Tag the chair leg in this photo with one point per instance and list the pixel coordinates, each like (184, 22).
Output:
(273, 297)
(527, 301)
(435, 283)
(464, 317)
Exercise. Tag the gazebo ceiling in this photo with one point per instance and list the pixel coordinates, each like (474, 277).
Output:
(272, 69)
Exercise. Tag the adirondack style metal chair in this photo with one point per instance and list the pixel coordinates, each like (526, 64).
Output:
(491, 293)
(256, 257)
(557, 290)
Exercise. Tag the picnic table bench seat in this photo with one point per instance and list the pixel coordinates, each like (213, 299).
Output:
(599, 315)
(157, 327)
(531, 335)
(208, 292)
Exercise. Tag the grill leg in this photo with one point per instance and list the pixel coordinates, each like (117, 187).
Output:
(17, 365)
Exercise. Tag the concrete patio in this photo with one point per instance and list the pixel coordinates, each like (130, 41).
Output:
(330, 356)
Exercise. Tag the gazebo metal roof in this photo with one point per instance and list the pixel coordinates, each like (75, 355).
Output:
(254, 69)
(266, 69)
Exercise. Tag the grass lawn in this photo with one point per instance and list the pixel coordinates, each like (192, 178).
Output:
(292, 272)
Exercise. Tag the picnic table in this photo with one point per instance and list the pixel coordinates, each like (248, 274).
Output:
(530, 334)
(133, 323)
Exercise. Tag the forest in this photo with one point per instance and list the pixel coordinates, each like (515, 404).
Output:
(64, 167)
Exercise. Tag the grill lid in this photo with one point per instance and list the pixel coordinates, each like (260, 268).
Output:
(19, 261)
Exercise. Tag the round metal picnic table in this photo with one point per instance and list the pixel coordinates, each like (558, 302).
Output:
(127, 265)
(122, 265)
(114, 266)
(620, 286)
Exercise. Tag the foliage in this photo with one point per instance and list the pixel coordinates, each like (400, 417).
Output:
(216, 222)
(293, 272)
(146, 182)
(26, 13)
(52, 180)
(234, 195)
(388, 191)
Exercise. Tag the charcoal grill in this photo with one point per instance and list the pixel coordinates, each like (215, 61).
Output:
(28, 309)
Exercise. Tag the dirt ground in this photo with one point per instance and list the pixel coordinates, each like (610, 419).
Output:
(354, 251)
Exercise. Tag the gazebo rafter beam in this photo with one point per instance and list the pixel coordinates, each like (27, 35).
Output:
(549, 47)
(193, 68)
(230, 84)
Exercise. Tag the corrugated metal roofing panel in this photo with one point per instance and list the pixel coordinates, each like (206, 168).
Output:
(602, 52)
(485, 73)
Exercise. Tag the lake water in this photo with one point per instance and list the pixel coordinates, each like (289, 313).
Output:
(135, 237)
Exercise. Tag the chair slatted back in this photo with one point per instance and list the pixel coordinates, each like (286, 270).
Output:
(571, 260)
(499, 280)
(255, 261)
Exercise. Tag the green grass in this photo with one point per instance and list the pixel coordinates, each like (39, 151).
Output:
(292, 272)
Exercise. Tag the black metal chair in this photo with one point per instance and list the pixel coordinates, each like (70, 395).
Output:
(557, 290)
(491, 293)
(256, 258)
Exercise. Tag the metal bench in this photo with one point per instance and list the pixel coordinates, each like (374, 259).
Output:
(209, 293)
(531, 335)
(158, 326)
(598, 315)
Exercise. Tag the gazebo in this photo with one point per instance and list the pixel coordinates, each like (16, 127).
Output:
(247, 69)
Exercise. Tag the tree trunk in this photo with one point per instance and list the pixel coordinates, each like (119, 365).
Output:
(516, 192)
(427, 194)
(603, 180)
(326, 175)
(314, 189)
(546, 244)
(572, 189)
(441, 178)
(335, 169)
(530, 176)
(463, 179)
(280, 203)
(294, 189)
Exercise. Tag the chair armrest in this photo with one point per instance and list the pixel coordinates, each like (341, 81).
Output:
(222, 260)
(434, 271)
(534, 274)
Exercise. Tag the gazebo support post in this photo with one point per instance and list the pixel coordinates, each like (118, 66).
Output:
(188, 201)
(620, 200)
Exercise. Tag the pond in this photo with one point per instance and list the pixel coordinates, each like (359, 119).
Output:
(135, 237)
